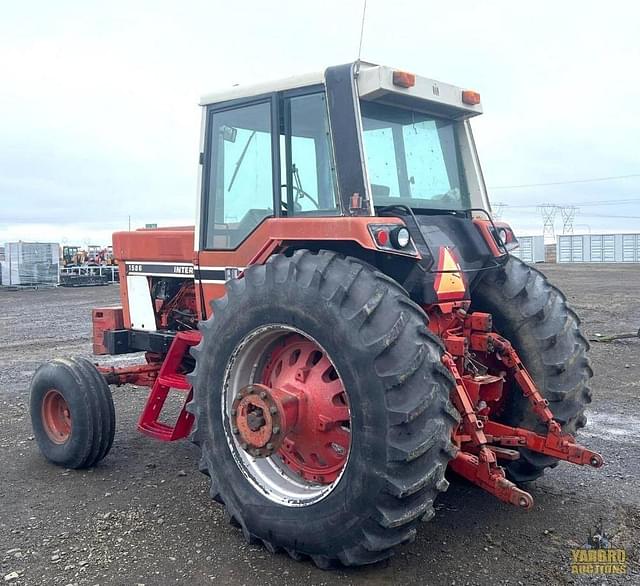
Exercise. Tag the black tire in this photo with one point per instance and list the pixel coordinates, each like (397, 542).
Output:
(398, 391)
(535, 317)
(91, 409)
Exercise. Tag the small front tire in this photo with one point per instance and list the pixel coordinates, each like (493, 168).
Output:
(72, 413)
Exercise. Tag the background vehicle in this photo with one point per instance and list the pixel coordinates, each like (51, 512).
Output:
(70, 255)
(344, 320)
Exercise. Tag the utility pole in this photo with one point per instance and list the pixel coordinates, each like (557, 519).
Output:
(497, 209)
(548, 212)
(568, 214)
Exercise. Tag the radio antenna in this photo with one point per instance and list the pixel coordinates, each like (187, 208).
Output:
(364, 13)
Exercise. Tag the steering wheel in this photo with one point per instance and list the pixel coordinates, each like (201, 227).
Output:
(299, 193)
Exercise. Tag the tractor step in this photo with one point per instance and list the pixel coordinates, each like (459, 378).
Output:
(175, 381)
(170, 377)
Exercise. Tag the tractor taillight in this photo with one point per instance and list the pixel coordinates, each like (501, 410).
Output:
(404, 79)
(394, 238)
(382, 237)
(470, 97)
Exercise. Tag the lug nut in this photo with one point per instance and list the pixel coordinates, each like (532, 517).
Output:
(338, 449)
(276, 430)
(273, 409)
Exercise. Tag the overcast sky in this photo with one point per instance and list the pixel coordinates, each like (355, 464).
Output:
(99, 118)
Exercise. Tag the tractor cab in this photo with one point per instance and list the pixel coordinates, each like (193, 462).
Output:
(356, 141)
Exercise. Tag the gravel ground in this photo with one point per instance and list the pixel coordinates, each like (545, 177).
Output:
(143, 515)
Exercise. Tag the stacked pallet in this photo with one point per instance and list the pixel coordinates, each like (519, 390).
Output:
(30, 264)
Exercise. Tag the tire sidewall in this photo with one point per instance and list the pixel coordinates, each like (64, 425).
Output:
(56, 376)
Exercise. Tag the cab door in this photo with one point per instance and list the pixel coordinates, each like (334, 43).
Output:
(241, 177)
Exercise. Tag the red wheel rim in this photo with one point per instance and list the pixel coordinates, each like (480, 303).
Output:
(318, 446)
(56, 417)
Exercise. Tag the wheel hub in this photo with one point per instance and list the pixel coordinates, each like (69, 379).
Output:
(315, 445)
(56, 417)
(261, 417)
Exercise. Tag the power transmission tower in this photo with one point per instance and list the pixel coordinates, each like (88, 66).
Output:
(568, 214)
(497, 209)
(548, 212)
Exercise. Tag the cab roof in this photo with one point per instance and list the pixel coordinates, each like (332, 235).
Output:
(374, 82)
(267, 87)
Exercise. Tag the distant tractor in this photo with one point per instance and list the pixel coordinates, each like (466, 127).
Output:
(70, 255)
(345, 321)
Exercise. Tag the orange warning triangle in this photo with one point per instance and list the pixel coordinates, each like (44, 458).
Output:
(449, 286)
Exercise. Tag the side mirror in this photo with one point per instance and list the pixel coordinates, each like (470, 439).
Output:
(229, 133)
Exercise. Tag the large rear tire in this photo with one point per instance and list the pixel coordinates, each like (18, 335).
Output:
(399, 422)
(535, 317)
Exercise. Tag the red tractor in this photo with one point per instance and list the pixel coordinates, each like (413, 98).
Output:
(345, 321)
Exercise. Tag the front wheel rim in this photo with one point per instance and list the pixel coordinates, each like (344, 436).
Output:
(56, 417)
(313, 456)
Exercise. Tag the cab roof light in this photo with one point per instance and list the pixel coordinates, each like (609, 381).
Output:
(404, 79)
(470, 97)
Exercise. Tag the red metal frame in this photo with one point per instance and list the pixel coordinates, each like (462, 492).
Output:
(162, 376)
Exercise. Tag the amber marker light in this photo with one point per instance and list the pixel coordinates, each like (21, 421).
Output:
(470, 97)
(404, 79)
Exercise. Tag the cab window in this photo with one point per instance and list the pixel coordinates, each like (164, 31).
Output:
(240, 182)
(412, 158)
(308, 176)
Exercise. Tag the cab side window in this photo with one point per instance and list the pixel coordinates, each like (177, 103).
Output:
(240, 181)
(308, 177)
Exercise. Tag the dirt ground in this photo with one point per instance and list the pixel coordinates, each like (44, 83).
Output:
(143, 515)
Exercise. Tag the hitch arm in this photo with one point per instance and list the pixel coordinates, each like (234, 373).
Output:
(555, 444)
(481, 469)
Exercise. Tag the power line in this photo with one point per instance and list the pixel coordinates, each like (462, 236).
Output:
(585, 203)
(610, 216)
(593, 180)
(583, 215)
(609, 201)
